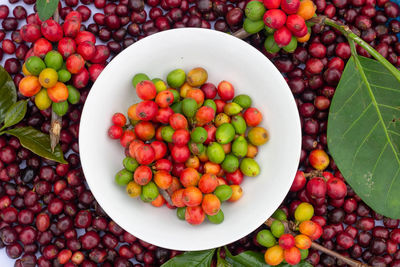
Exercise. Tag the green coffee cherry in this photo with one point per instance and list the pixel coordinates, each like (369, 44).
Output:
(215, 153)
(139, 78)
(123, 177)
(217, 218)
(225, 133)
(60, 108)
(249, 167)
(176, 78)
(223, 192)
(130, 164)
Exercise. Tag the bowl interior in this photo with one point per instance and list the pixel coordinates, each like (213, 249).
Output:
(225, 58)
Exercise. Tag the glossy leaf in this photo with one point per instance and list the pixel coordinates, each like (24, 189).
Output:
(255, 259)
(8, 93)
(221, 262)
(191, 259)
(246, 259)
(46, 8)
(37, 142)
(364, 133)
(15, 113)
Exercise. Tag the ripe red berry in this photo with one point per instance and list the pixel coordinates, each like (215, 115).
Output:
(87, 50)
(51, 30)
(115, 132)
(336, 188)
(316, 187)
(119, 119)
(41, 47)
(30, 32)
(146, 90)
(282, 36)
(299, 182)
(75, 63)
(274, 18)
(271, 4)
(66, 47)
(295, 23)
(74, 15)
(85, 36)
(146, 110)
(290, 6)
(286, 241)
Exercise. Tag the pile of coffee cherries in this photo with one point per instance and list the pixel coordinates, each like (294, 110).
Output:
(207, 144)
(289, 247)
(284, 22)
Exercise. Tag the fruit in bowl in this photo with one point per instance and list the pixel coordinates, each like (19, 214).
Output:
(251, 73)
(184, 147)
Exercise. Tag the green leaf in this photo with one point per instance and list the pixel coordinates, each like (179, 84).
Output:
(15, 113)
(301, 264)
(46, 8)
(8, 93)
(246, 259)
(221, 262)
(364, 133)
(255, 259)
(191, 259)
(37, 142)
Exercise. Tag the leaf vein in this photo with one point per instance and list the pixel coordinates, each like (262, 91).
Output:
(386, 88)
(393, 132)
(391, 185)
(363, 142)
(381, 72)
(378, 111)
(389, 107)
(356, 120)
(349, 99)
(379, 157)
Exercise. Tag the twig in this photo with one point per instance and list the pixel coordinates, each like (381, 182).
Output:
(290, 227)
(312, 174)
(241, 34)
(166, 196)
(56, 121)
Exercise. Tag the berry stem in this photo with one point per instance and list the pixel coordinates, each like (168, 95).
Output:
(56, 121)
(312, 174)
(166, 196)
(345, 30)
(241, 34)
(291, 228)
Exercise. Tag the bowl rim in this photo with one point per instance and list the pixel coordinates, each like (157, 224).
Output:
(85, 116)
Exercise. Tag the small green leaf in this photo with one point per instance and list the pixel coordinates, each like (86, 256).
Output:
(15, 113)
(8, 93)
(246, 259)
(255, 259)
(301, 264)
(222, 262)
(364, 133)
(46, 8)
(191, 259)
(37, 142)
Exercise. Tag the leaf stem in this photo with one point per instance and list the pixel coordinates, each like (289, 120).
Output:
(345, 30)
(290, 227)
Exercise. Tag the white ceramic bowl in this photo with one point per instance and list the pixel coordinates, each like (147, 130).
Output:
(225, 58)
